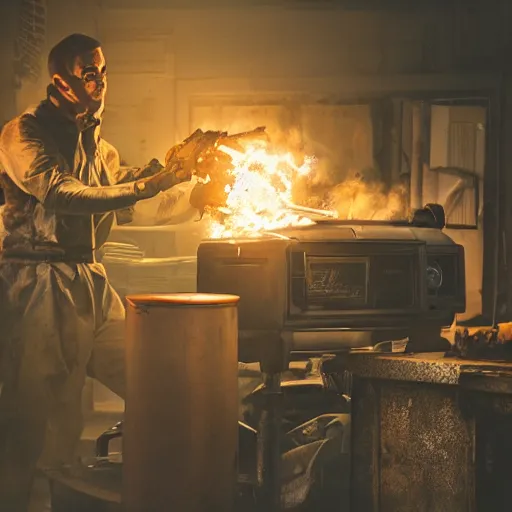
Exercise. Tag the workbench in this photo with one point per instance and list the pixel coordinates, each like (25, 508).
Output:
(430, 433)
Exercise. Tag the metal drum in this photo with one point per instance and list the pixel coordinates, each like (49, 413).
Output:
(181, 418)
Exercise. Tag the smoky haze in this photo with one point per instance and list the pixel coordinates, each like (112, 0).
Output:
(344, 178)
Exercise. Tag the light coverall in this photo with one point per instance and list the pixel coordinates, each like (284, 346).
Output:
(60, 319)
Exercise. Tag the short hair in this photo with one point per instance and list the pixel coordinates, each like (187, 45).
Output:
(62, 56)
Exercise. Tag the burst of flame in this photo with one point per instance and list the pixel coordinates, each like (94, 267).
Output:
(260, 196)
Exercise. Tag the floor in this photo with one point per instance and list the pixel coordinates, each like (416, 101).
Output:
(94, 426)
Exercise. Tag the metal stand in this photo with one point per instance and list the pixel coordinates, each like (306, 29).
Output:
(269, 445)
(271, 348)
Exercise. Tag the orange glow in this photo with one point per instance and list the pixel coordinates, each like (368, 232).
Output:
(259, 198)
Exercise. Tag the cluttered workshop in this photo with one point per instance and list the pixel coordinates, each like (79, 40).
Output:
(254, 256)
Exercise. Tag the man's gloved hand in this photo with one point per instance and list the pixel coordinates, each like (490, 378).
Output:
(172, 175)
(193, 150)
(194, 145)
(199, 155)
(213, 164)
(181, 172)
(209, 194)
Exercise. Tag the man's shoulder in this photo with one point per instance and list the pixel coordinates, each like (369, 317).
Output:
(27, 122)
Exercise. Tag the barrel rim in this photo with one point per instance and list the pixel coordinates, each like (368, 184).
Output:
(182, 299)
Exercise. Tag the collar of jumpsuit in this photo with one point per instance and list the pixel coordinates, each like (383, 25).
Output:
(86, 128)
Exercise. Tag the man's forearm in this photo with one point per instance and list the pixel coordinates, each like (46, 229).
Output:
(73, 199)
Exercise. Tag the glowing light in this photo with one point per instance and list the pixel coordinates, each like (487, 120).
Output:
(259, 198)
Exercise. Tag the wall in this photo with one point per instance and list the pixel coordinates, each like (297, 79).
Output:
(157, 55)
(168, 58)
(458, 141)
(8, 11)
(159, 52)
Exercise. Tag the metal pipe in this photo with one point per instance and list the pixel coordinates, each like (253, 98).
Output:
(296, 208)
(416, 157)
(269, 445)
(497, 202)
(181, 417)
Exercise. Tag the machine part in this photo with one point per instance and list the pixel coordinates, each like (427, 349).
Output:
(430, 216)
(300, 399)
(434, 276)
(285, 489)
(189, 461)
(103, 442)
(438, 213)
(334, 286)
(318, 284)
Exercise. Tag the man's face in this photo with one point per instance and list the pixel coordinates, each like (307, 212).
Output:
(88, 82)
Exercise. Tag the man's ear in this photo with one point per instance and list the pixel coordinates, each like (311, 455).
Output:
(60, 83)
(64, 88)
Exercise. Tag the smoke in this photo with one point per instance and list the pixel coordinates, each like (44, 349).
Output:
(355, 194)
(355, 199)
(361, 195)
(345, 179)
(340, 138)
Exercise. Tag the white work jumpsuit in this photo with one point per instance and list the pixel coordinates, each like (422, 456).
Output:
(60, 319)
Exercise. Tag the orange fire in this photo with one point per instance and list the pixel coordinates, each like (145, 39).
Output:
(260, 196)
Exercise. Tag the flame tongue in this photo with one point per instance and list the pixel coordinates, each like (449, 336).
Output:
(259, 197)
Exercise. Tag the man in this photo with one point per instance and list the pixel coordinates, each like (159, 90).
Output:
(60, 319)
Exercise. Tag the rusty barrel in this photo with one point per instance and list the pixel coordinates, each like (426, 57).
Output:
(181, 416)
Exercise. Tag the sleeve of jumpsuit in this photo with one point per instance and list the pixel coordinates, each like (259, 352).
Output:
(32, 161)
(122, 175)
